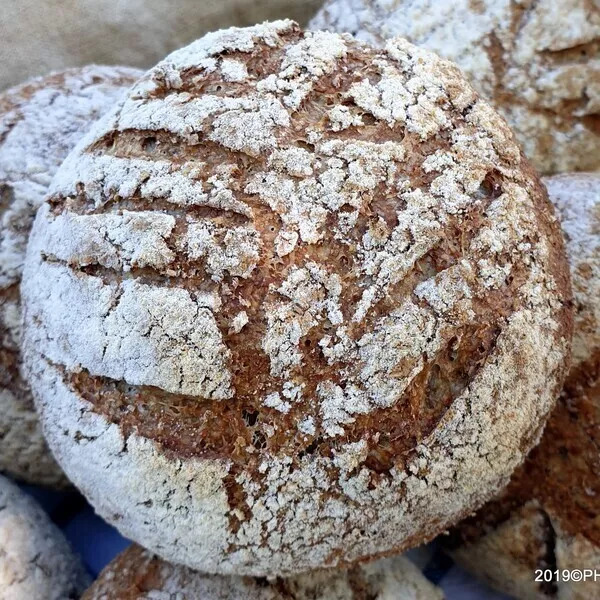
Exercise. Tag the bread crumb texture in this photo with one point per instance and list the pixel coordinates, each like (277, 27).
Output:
(537, 61)
(40, 122)
(137, 574)
(36, 562)
(299, 316)
(549, 516)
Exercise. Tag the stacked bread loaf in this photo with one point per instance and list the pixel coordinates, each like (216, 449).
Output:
(40, 122)
(138, 573)
(36, 561)
(536, 60)
(296, 301)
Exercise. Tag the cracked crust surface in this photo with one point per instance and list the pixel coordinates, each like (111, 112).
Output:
(340, 326)
(36, 562)
(137, 574)
(549, 516)
(537, 61)
(40, 122)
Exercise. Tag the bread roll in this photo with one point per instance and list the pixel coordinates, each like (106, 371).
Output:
(137, 573)
(549, 516)
(36, 562)
(40, 122)
(536, 61)
(294, 303)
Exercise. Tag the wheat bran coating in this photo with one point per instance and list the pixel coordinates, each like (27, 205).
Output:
(40, 122)
(36, 562)
(295, 303)
(538, 62)
(549, 516)
(137, 574)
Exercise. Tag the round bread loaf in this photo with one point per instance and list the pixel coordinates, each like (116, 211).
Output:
(549, 516)
(137, 574)
(537, 61)
(40, 122)
(294, 303)
(36, 562)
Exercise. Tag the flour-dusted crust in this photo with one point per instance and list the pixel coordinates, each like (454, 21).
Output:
(538, 62)
(549, 516)
(40, 122)
(137, 574)
(36, 562)
(340, 326)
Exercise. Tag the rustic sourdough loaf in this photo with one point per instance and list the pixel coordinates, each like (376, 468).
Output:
(537, 61)
(137, 573)
(294, 303)
(36, 562)
(549, 516)
(40, 122)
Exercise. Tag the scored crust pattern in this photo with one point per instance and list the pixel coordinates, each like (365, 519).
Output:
(549, 515)
(294, 302)
(537, 61)
(40, 122)
(137, 573)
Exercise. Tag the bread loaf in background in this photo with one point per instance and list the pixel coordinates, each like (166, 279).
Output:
(36, 562)
(137, 573)
(537, 61)
(40, 36)
(549, 515)
(40, 122)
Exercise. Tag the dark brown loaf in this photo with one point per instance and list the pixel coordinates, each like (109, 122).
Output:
(537, 61)
(137, 573)
(549, 515)
(40, 122)
(296, 302)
